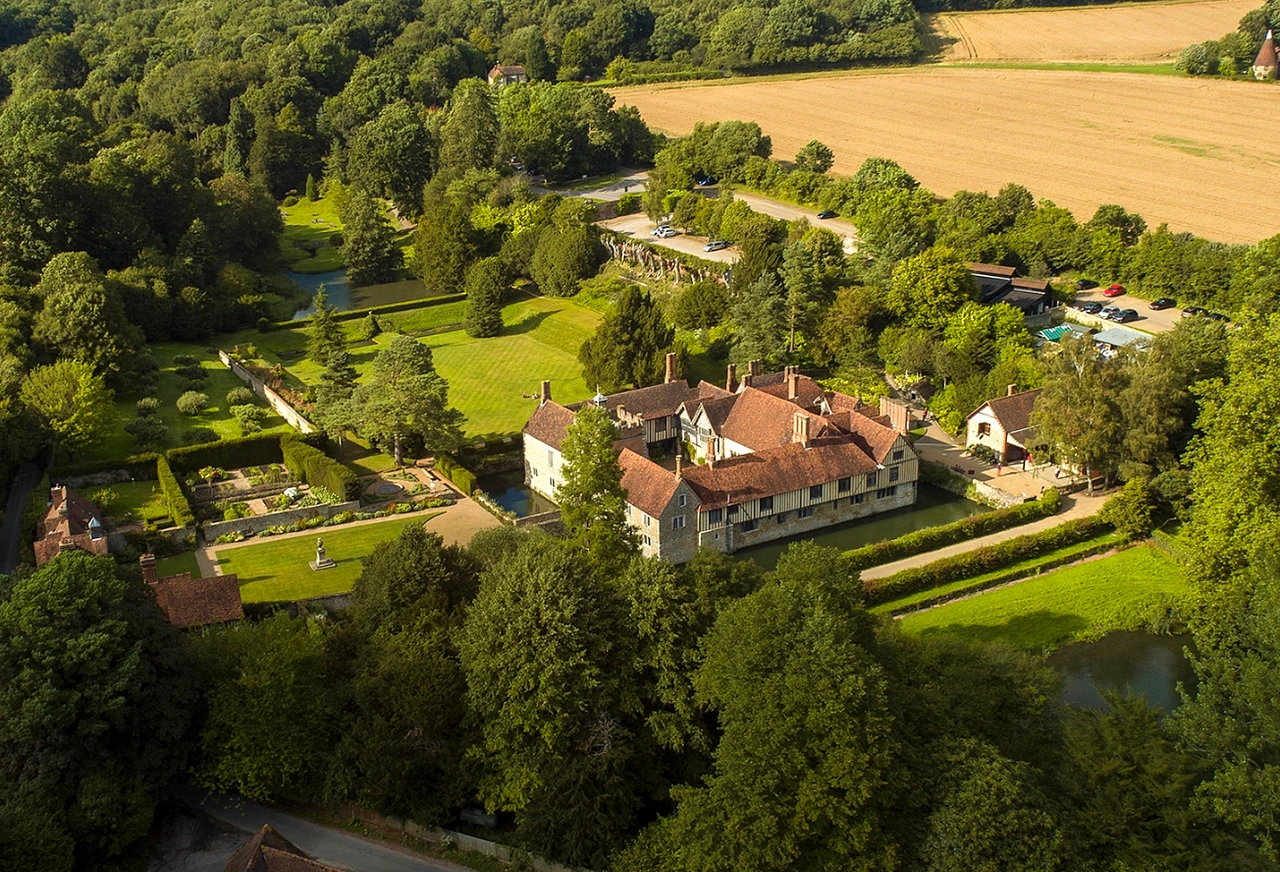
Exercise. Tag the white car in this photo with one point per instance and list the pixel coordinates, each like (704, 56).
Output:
(665, 231)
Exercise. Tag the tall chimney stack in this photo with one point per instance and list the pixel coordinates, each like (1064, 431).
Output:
(671, 368)
(800, 429)
(711, 452)
(746, 380)
(148, 562)
(621, 412)
(731, 379)
(793, 383)
(754, 368)
(544, 395)
(1013, 389)
(679, 465)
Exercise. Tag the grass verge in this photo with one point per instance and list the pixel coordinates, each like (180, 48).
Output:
(178, 563)
(1078, 603)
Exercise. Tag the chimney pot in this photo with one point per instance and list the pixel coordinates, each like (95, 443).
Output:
(148, 562)
(754, 368)
(671, 368)
(731, 379)
(1013, 389)
(544, 395)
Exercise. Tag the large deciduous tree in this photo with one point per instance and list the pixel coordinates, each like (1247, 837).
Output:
(929, 287)
(405, 398)
(391, 157)
(81, 318)
(72, 402)
(1078, 414)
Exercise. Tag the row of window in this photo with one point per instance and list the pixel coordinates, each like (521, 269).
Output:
(843, 486)
(807, 511)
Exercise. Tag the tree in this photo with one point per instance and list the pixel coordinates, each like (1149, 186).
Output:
(802, 291)
(894, 225)
(391, 157)
(815, 157)
(406, 398)
(73, 403)
(369, 244)
(96, 696)
(312, 194)
(567, 252)
(411, 578)
(1077, 414)
(700, 306)
(486, 287)
(325, 335)
(445, 242)
(929, 287)
(469, 136)
(335, 408)
(549, 659)
(81, 319)
(760, 313)
(591, 498)
(630, 346)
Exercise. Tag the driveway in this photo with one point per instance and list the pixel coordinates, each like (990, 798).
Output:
(333, 847)
(791, 212)
(1150, 320)
(26, 478)
(639, 225)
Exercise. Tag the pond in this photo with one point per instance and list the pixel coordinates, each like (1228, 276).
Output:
(934, 507)
(343, 296)
(508, 490)
(1132, 663)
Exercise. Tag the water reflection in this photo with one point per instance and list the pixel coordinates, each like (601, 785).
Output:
(343, 296)
(1134, 663)
(508, 490)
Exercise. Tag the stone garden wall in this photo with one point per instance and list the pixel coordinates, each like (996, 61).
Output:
(273, 399)
(258, 523)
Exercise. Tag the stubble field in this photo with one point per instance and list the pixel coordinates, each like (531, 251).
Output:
(1197, 154)
(1129, 34)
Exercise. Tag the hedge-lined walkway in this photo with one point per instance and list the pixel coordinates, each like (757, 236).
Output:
(1078, 505)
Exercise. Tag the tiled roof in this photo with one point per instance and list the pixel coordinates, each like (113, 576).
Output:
(716, 410)
(198, 602)
(1031, 284)
(872, 434)
(992, 269)
(67, 521)
(654, 401)
(1267, 53)
(1014, 412)
(268, 851)
(649, 486)
(844, 403)
(548, 424)
(776, 471)
(761, 421)
(706, 390)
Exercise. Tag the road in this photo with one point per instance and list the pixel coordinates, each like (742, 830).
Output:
(639, 225)
(330, 846)
(1150, 320)
(791, 212)
(24, 480)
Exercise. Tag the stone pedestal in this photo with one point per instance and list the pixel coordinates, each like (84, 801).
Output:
(322, 560)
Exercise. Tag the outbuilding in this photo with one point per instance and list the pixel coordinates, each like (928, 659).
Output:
(1004, 425)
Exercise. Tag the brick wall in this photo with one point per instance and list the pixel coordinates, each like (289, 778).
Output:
(273, 399)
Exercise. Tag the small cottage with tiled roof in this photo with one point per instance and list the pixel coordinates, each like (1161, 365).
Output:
(1004, 425)
(774, 456)
(70, 524)
(507, 74)
(268, 851)
(1266, 63)
(194, 602)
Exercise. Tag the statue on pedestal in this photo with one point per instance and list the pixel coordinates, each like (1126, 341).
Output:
(322, 560)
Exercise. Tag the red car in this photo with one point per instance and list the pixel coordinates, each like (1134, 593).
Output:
(1114, 291)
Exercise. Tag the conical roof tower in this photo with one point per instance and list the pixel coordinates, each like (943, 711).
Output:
(1265, 64)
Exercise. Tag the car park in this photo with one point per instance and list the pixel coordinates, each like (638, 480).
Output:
(665, 232)
(1163, 303)
(1114, 291)
(715, 245)
(1085, 284)
(1194, 310)
(1124, 316)
(1089, 307)
(827, 213)
(1107, 312)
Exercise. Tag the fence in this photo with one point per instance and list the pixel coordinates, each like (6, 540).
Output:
(273, 399)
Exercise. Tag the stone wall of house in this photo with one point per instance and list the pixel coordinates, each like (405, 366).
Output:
(258, 523)
(273, 399)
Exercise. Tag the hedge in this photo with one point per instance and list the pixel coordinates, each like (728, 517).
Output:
(981, 560)
(179, 507)
(963, 530)
(451, 469)
(260, 449)
(139, 466)
(318, 469)
(353, 314)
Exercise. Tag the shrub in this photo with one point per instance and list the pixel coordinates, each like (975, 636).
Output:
(260, 449)
(148, 432)
(249, 418)
(629, 204)
(179, 507)
(241, 397)
(370, 327)
(187, 384)
(194, 372)
(464, 478)
(290, 200)
(192, 403)
(966, 528)
(1130, 510)
(184, 360)
(199, 436)
(141, 467)
(317, 469)
(147, 406)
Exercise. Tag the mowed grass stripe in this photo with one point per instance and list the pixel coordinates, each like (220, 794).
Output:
(1118, 592)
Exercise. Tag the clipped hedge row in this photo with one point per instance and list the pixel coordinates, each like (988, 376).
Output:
(981, 560)
(179, 507)
(963, 530)
(451, 469)
(355, 314)
(318, 469)
(260, 449)
(139, 466)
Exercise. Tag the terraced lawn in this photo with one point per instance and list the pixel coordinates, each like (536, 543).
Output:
(1082, 602)
(277, 570)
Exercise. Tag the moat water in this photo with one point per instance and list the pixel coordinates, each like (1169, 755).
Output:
(1131, 664)
(508, 490)
(343, 296)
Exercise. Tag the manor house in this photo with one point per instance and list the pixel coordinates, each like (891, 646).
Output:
(767, 456)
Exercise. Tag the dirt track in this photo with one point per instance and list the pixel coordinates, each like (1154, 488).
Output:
(1135, 33)
(1198, 154)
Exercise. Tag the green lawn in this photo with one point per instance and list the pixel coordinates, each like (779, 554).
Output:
(311, 224)
(278, 570)
(130, 501)
(1081, 602)
(217, 418)
(179, 563)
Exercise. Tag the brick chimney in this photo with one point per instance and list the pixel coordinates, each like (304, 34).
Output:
(746, 380)
(671, 368)
(148, 562)
(793, 383)
(679, 465)
(800, 429)
(754, 368)
(731, 379)
(622, 414)
(711, 452)
(544, 396)
(1013, 389)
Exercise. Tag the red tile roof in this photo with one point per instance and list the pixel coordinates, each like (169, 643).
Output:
(809, 393)
(873, 435)
(548, 424)
(1267, 53)
(760, 421)
(199, 602)
(268, 851)
(775, 471)
(65, 526)
(654, 401)
(1013, 412)
(649, 486)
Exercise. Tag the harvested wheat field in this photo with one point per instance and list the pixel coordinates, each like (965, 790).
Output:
(1126, 34)
(1198, 154)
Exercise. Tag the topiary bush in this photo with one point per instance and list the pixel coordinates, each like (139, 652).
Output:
(188, 384)
(148, 431)
(184, 360)
(192, 403)
(240, 397)
(193, 372)
(147, 406)
(199, 436)
(249, 418)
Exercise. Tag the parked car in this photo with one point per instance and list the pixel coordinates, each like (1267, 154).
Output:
(715, 245)
(706, 181)
(1085, 284)
(1163, 303)
(666, 231)
(1091, 307)
(1217, 316)
(1114, 291)
(1194, 310)
(1108, 313)
(828, 213)
(1124, 316)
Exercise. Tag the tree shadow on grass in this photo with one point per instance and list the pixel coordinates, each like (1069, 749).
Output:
(1034, 630)
(527, 324)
